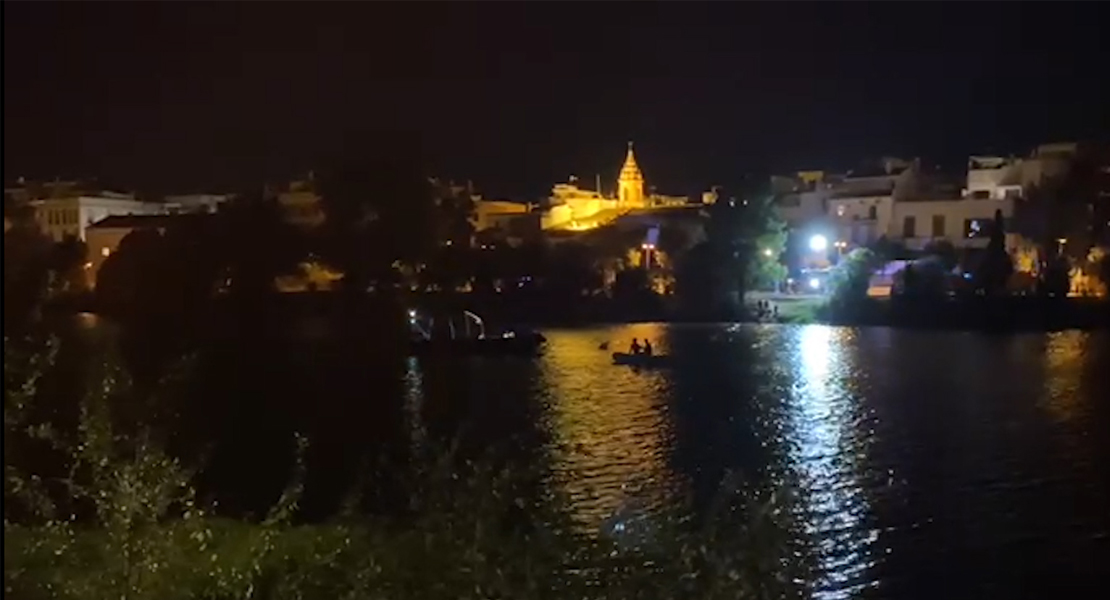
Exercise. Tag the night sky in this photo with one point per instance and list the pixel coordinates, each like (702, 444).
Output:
(190, 96)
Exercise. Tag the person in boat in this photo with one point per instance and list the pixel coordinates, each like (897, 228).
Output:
(635, 348)
(647, 347)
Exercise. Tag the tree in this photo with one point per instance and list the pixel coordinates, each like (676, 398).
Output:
(1060, 207)
(765, 269)
(380, 207)
(674, 241)
(944, 251)
(850, 279)
(67, 260)
(996, 266)
(572, 271)
(733, 256)
(27, 274)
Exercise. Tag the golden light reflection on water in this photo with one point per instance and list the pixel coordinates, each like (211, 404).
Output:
(609, 423)
(1064, 361)
(825, 450)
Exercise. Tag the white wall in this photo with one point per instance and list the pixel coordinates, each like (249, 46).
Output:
(956, 213)
(992, 175)
(853, 218)
(799, 208)
(61, 217)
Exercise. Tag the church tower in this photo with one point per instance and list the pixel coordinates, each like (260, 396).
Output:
(630, 184)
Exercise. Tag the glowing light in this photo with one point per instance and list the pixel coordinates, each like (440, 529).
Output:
(767, 252)
(814, 283)
(105, 251)
(818, 243)
(88, 265)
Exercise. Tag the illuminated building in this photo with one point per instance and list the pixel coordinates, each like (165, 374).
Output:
(67, 208)
(497, 214)
(301, 205)
(571, 208)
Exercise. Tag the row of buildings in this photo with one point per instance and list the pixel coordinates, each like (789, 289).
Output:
(907, 202)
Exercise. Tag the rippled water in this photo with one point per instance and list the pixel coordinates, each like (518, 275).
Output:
(925, 465)
(930, 464)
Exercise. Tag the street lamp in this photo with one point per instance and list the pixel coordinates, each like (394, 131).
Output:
(767, 252)
(647, 254)
(818, 243)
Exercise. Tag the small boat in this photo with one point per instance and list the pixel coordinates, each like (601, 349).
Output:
(641, 360)
(470, 338)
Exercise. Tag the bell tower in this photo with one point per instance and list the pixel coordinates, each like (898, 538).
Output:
(630, 184)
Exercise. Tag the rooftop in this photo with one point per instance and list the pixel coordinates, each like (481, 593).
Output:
(148, 221)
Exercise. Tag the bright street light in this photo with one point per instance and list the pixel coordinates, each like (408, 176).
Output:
(767, 252)
(814, 283)
(818, 243)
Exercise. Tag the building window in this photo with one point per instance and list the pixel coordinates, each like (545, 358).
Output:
(872, 213)
(938, 226)
(909, 227)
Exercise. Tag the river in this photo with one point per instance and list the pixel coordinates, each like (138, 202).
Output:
(928, 464)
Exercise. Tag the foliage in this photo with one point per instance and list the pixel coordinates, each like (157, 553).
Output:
(714, 274)
(851, 277)
(996, 266)
(27, 274)
(632, 284)
(1060, 207)
(944, 251)
(888, 250)
(924, 278)
(380, 207)
(1055, 278)
(766, 269)
(67, 260)
(572, 271)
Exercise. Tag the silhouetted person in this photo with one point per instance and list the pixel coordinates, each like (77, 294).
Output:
(636, 349)
(647, 347)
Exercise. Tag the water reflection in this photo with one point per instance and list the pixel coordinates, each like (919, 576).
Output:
(609, 424)
(414, 403)
(1064, 361)
(824, 451)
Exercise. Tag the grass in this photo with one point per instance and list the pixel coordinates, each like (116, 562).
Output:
(799, 310)
(121, 520)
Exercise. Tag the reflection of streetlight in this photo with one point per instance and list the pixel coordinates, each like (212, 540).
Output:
(818, 243)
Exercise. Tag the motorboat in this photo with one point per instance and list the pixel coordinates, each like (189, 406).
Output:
(641, 360)
(470, 338)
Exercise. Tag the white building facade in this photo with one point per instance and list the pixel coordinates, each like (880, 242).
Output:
(70, 217)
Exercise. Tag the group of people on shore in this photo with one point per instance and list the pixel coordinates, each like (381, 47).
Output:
(766, 311)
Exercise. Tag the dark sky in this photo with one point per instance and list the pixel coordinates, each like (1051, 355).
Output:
(183, 96)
